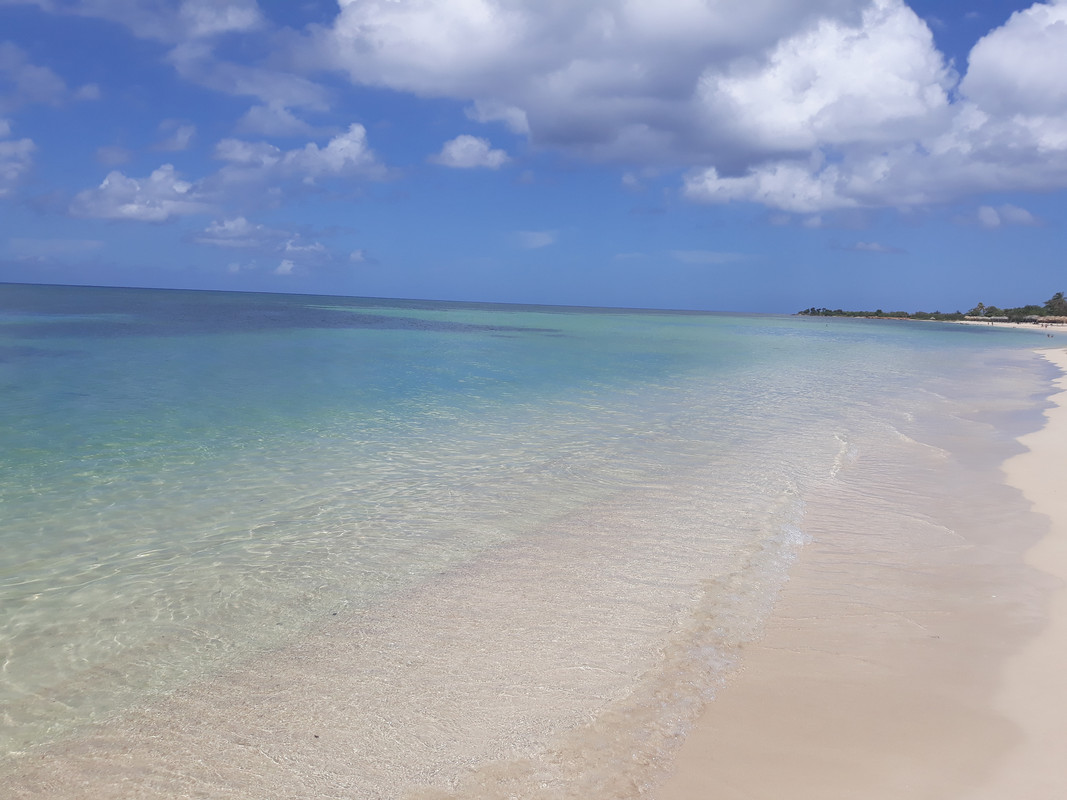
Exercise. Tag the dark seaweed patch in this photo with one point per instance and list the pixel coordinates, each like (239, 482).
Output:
(82, 312)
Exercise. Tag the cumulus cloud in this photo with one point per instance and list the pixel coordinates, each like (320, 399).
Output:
(238, 232)
(1006, 131)
(466, 152)
(612, 78)
(804, 107)
(643, 80)
(876, 80)
(1019, 67)
(163, 195)
(345, 155)
(158, 198)
(263, 244)
(790, 186)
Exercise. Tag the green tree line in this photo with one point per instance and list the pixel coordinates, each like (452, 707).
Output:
(1055, 306)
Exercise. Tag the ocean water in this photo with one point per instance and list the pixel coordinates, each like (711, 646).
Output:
(266, 545)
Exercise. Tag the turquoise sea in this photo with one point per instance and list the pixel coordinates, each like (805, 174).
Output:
(291, 546)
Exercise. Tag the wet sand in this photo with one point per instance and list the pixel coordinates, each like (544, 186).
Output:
(917, 667)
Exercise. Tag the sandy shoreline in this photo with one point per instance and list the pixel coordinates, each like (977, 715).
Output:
(924, 670)
(1033, 693)
(1049, 331)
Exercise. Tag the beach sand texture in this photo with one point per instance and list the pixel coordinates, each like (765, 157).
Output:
(918, 669)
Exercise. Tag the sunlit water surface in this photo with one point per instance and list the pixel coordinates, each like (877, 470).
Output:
(460, 538)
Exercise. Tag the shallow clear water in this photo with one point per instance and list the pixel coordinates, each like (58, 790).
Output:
(467, 534)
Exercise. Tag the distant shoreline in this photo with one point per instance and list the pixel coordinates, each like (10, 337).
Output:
(1023, 325)
(1035, 327)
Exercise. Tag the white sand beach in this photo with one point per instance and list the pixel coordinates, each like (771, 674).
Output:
(895, 675)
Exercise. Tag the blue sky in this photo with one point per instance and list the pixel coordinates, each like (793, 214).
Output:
(750, 155)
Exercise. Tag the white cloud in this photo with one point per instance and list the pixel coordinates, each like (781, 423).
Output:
(159, 197)
(193, 27)
(345, 155)
(1017, 216)
(195, 60)
(805, 107)
(988, 217)
(489, 111)
(294, 246)
(791, 186)
(180, 135)
(273, 120)
(466, 152)
(16, 158)
(357, 256)
(238, 232)
(254, 154)
(1006, 214)
(211, 17)
(23, 83)
(874, 247)
(878, 79)
(163, 195)
(293, 249)
(534, 240)
(1019, 67)
(615, 77)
